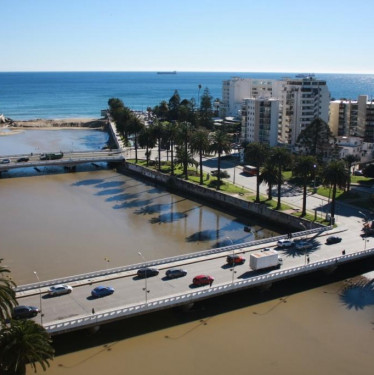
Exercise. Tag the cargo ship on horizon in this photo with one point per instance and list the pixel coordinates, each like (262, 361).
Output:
(168, 72)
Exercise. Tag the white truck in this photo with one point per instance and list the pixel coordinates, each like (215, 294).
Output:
(264, 259)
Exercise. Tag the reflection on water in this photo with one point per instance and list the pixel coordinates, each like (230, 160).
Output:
(65, 224)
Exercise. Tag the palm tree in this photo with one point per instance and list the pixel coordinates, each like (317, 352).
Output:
(183, 139)
(304, 169)
(159, 132)
(184, 158)
(200, 143)
(335, 174)
(220, 143)
(7, 294)
(269, 176)
(280, 158)
(256, 154)
(135, 126)
(147, 139)
(24, 342)
(350, 160)
(171, 132)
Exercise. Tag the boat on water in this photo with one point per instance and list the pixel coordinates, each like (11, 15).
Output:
(170, 72)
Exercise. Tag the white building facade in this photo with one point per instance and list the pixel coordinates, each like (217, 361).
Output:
(299, 102)
(260, 120)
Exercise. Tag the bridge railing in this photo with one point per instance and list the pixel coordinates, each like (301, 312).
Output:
(164, 261)
(186, 298)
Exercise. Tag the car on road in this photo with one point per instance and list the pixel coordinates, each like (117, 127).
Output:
(358, 173)
(147, 272)
(102, 291)
(333, 239)
(235, 259)
(303, 245)
(202, 280)
(22, 160)
(173, 273)
(58, 290)
(285, 243)
(24, 312)
(5, 161)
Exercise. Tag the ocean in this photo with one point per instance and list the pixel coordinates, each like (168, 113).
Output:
(31, 95)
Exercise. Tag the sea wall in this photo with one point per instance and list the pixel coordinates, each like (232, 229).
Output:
(218, 197)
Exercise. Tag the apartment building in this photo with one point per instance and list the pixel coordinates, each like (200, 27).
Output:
(300, 101)
(260, 120)
(353, 118)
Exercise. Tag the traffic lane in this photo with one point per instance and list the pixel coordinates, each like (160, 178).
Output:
(130, 290)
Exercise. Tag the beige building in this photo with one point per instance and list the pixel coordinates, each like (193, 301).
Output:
(353, 118)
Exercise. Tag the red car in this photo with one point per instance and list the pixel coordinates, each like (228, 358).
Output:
(203, 280)
(234, 259)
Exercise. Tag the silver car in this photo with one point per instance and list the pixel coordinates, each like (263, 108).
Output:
(58, 290)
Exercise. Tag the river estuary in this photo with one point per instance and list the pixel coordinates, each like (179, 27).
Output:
(61, 224)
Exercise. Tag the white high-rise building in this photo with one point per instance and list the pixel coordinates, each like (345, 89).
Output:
(301, 100)
(236, 89)
(260, 120)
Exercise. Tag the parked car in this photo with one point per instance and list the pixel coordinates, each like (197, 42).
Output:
(5, 161)
(333, 239)
(24, 312)
(58, 290)
(22, 160)
(303, 245)
(175, 272)
(285, 243)
(235, 259)
(102, 291)
(358, 173)
(202, 280)
(147, 272)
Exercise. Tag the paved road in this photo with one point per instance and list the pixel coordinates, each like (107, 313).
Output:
(130, 289)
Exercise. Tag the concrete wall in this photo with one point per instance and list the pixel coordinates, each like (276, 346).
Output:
(218, 197)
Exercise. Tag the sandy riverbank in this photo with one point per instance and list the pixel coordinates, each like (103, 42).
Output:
(59, 123)
(14, 127)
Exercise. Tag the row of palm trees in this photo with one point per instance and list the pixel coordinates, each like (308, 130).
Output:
(271, 162)
(22, 342)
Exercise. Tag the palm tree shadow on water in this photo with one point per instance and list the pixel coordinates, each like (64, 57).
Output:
(358, 295)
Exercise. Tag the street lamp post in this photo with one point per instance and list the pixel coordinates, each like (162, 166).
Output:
(146, 291)
(303, 225)
(314, 179)
(233, 264)
(40, 299)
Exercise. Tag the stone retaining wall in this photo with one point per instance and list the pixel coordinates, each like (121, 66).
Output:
(221, 198)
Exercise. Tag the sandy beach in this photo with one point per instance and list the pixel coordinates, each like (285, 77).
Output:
(14, 127)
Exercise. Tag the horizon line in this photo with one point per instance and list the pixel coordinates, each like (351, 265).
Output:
(177, 71)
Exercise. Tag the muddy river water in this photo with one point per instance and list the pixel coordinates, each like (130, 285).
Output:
(61, 224)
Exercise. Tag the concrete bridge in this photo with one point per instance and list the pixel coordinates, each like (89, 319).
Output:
(134, 296)
(69, 159)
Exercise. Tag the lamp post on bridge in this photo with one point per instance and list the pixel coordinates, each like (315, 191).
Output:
(233, 261)
(146, 291)
(40, 299)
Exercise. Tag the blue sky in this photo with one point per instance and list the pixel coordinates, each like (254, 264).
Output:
(330, 36)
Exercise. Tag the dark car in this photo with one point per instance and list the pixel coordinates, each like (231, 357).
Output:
(24, 312)
(203, 280)
(333, 239)
(102, 291)
(147, 272)
(173, 273)
(22, 160)
(234, 259)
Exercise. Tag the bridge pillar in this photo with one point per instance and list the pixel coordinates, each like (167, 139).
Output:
(329, 270)
(265, 287)
(187, 307)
